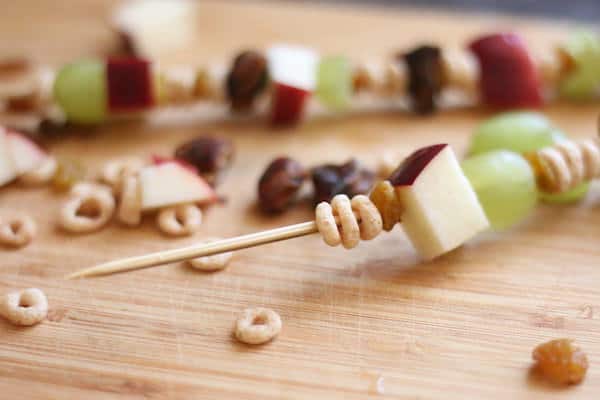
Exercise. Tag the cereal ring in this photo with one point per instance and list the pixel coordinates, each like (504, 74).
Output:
(349, 228)
(130, 208)
(181, 220)
(115, 171)
(91, 206)
(26, 307)
(257, 325)
(327, 224)
(42, 174)
(215, 262)
(18, 231)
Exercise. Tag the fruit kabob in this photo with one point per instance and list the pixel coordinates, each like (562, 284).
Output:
(439, 206)
(498, 69)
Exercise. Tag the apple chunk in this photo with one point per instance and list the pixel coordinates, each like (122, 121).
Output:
(130, 84)
(169, 183)
(293, 71)
(26, 155)
(441, 210)
(8, 170)
(293, 66)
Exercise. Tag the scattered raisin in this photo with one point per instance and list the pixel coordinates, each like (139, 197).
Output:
(279, 184)
(349, 178)
(246, 79)
(68, 173)
(209, 155)
(11, 67)
(387, 202)
(25, 103)
(426, 77)
(561, 361)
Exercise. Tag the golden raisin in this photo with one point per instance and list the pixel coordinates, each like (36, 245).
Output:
(384, 197)
(561, 361)
(68, 173)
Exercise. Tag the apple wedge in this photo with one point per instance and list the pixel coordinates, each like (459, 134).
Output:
(25, 154)
(169, 183)
(293, 71)
(441, 210)
(8, 170)
(130, 84)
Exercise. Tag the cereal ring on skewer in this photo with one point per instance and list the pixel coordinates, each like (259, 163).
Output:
(90, 207)
(17, 231)
(181, 220)
(566, 164)
(346, 222)
(257, 325)
(212, 263)
(26, 307)
(42, 174)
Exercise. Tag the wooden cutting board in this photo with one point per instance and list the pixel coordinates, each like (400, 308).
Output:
(366, 323)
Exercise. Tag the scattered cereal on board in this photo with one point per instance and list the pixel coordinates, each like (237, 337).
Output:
(257, 325)
(181, 220)
(17, 231)
(88, 209)
(215, 262)
(25, 307)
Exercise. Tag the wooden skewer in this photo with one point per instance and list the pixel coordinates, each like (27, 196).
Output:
(198, 250)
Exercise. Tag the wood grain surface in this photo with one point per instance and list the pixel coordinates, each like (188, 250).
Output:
(366, 323)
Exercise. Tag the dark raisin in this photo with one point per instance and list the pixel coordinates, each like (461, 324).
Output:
(279, 185)
(12, 67)
(246, 79)
(209, 155)
(425, 77)
(349, 178)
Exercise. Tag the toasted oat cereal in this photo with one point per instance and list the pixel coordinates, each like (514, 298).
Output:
(18, 231)
(215, 262)
(25, 307)
(257, 325)
(181, 220)
(130, 207)
(90, 207)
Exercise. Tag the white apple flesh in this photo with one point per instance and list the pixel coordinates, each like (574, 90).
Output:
(169, 183)
(8, 171)
(441, 210)
(293, 66)
(26, 155)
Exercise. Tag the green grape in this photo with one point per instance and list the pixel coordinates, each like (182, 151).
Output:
(521, 131)
(80, 90)
(505, 186)
(334, 82)
(584, 81)
(524, 132)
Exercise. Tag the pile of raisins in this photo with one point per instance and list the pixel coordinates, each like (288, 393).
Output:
(280, 184)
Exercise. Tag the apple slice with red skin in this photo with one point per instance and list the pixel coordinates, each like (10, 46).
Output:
(130, 84)
(440, 208)
(168, 183)
(158, 160)
(8, 170)
(508, 76)
(26, 154)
